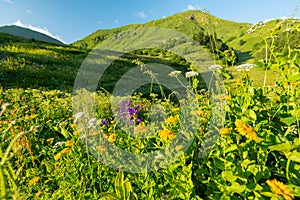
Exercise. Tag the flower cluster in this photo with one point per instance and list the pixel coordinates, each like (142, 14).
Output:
(215, 67)
(245, 67)
(166, 134)
(175, 73)
(255, 27)
(279, 188)
(129, 113)
(191, 74)
(245, 130)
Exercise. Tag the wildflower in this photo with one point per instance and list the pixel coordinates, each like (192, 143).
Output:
(172, 120)
(79, 116)
(245, 130)
(50, 140)
(92, 122)
(69, 143)
(215, 67)
(191, 74)
(31, 117)
(34, 181)
(57, 156)
(58, 144)
(73, 126)
(225, 131)
(174, 73)
(66, 150)
(166, 134)
(141, 129)
(280, 188)
(175, 109)
(244, 67)
(104, 122)
(38, 194)
(112, 138)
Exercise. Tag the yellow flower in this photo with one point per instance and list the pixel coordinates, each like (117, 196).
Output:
(34, 181)
(172, 120)
(38, 194)
(69, 143)
(245, 130)
(279, 188)
(75, 133)
(50, 139)
(112, 138)
(225, 131)
(57, 156)
(166, 134)
(175, 109)
(73, 126)
(141, 129)
(66, 150)
(31, 117)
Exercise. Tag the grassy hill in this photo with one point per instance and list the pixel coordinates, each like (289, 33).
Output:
(27, 33)
(246, 39)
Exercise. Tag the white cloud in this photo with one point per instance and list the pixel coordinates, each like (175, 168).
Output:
(28, 11)
(38, 29)
(100, 22)
(141, 14)
(164, 16)
(191, 7)
(6, 1)
(116, 21)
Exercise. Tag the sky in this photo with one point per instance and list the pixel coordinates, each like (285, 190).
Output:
(71, 20)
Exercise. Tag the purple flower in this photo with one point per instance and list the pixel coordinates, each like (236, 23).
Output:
(104, 122)
(139, 120)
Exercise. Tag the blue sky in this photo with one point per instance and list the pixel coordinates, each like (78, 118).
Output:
(71, 20)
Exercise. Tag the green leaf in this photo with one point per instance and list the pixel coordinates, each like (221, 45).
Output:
(284, 147)
(237, 188)
(108, 196)
(294, 77)
(293, 156)
(289, 120)
(228, 176)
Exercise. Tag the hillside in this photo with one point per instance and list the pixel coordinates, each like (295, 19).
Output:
(246, 39)
(29, 34)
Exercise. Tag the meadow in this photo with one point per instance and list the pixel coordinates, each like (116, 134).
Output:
(43, 146)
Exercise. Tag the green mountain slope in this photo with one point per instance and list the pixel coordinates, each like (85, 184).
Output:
(246, 39)
(29, 34)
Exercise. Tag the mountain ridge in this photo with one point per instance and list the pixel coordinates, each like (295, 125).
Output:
(28, 33)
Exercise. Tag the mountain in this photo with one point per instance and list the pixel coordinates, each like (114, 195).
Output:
(246, 39)
(29, 34)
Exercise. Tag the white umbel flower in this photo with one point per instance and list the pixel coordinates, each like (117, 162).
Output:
(215, 67)
(245, 67)
(191, 74)
(175, 73)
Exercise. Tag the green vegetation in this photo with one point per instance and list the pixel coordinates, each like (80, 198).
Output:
(29, 34)
(43, 152)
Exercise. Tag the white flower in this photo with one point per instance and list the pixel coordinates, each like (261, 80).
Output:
(92, 122)
(78, 116)
(58, 144)
(215, 67)
(191, 74)
(244, 67)
(175, 73)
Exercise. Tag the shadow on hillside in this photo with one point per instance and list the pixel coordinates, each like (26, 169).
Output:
(52, 73)
(243, 56)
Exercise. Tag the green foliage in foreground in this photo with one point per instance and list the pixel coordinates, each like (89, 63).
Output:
(42, 155)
